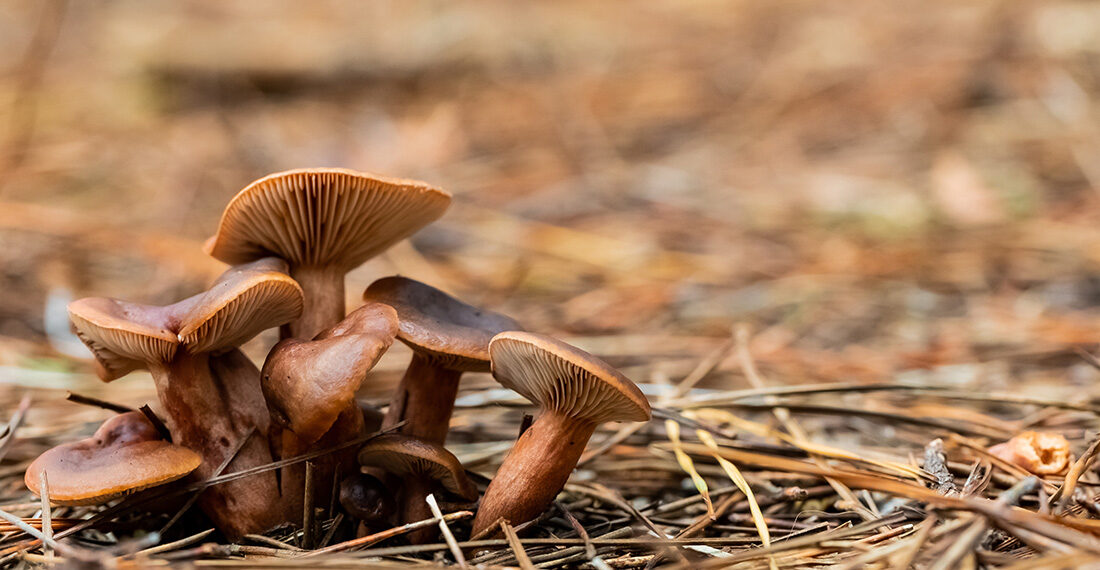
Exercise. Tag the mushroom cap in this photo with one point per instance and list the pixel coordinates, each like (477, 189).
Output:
(323, 217)
(125, 455)
(402, 455)
(565, 379)
(308, 384)
(245, 300)
(453, 334)
(366, 498)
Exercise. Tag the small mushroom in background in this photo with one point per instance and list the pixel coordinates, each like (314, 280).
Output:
(448, 337)
(324, 222)
(125, 455)
(310, 384)
(424, 468)
(209, 390)
(1037, 452)
(575, 392)
(366, 499)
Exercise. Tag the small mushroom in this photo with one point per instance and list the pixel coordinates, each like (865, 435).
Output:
(366, 499)
(424, 468)
(448, 337)
(575, 392)
(209, 390)
(125, 455)
(324, 222)
(1038, 452)
(310, 387)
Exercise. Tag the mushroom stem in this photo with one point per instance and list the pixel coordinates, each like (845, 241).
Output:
(424, 400)
(415, 507)
(324, 301)
(212, 404)
(535, 470)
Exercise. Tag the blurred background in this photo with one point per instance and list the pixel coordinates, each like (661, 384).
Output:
(882, 191)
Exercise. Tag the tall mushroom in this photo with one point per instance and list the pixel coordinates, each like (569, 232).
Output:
(324, 222)
(575, 392)
(208, 389)
(309, 385)
(125, 455)
(448, 337)
(424, 468)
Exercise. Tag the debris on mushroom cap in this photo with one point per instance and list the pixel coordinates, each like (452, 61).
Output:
(564, 378)
(324, 216)
(402, 455)
(125, 455)
(1038, 452)
(308, 384)
(454, 334)
(125, 336)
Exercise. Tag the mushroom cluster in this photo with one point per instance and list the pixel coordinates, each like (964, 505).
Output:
(290, 238)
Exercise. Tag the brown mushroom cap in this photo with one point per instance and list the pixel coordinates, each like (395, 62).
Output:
(402, 455)
(451, 333)
(125, 455)
(323, 216)
(245, 300)
(563, 378)
(308, 384)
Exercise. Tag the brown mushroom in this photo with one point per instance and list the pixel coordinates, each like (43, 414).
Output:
(575, 392)
(366, 499)
(323, 222)
(448, 337)
(424, 468)
(209, 390)
(125, 455)
(310, 385)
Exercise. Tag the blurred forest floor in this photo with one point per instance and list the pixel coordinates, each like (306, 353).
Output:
(882, 191)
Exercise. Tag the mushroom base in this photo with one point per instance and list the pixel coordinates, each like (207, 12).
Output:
(414, 507)
(535, 470)
(425, 400)
(212, 404)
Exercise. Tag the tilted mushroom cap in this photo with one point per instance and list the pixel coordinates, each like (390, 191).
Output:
(453, 334)
(402, 455)
(308, 384)
(324, 216)
(561, 377)
(245, 300)
(125, 455)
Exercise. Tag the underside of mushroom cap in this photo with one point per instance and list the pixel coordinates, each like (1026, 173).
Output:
(125, 455)
(123, 336)
(563, 378)
(323, 216)
(308, 384)
(245, 300)
(453, 334)
(402, 456)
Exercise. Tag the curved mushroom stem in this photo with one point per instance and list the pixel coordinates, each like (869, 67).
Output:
(324, 301)
(424, 399)
(414, 507)
(535, 471)
(212, 404)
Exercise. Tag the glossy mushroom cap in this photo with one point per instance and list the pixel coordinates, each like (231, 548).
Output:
(308, 384)
(565, 379)
(245, 300)
(125, 455)
(404, 456)
(324, 217)
(366, 498)
(452, 334)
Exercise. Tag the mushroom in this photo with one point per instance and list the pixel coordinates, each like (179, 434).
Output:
(1041, 453)
(310, 386)
(125, 455)
(448, 337)
(366, 499)
(575, 392)
(324, 222)
(424, 468)
(209, 390)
